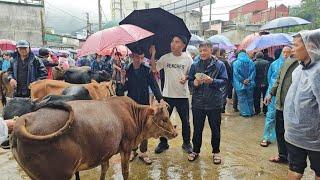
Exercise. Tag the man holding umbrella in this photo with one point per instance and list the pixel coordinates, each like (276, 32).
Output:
(176, 66)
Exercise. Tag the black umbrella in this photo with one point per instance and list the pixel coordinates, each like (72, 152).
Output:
(162, 23)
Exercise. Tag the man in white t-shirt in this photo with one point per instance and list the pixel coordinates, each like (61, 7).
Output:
(176, 66)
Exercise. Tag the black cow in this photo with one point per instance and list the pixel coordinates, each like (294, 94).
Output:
(81, 75)
(21, 106)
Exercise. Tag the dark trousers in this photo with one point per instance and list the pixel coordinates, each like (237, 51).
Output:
(214, 118)
(119, 89)
(235, 100)
(258, 91)
(182, 106)
(282, 149)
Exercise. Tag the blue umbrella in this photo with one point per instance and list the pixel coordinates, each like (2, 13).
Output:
(270, 40)
(162, 23)
(221, 41)
(284, 22)
(195, 39)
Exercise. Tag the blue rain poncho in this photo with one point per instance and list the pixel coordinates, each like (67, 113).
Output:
(244, 68)
(302, 104)
(269, 133)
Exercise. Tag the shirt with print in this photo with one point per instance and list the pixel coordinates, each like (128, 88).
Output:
(175, 67)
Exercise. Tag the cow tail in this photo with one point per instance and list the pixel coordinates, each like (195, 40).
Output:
(20, 130)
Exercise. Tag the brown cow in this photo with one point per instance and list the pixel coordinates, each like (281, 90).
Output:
(5, 89)
(47, 146)
(42, 88)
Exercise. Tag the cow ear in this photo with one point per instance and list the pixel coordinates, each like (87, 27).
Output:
(93, 81)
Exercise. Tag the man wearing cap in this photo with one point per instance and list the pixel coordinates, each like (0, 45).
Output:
(176, 66)
(136, 80)
(24, 69)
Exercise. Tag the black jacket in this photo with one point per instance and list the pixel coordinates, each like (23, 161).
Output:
(36, 68)
(209, 96)
(262, 67)
(138, 85)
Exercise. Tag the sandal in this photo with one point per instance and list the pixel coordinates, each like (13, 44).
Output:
(265, 143)
(216, 159)
(145, 159)
(133, 156)
(193, 156)
(278, 159)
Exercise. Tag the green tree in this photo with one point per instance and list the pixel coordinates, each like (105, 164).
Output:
(308, 10)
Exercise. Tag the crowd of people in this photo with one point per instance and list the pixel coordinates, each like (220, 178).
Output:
(285, 89)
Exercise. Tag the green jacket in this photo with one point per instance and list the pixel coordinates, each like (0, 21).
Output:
(284, 80)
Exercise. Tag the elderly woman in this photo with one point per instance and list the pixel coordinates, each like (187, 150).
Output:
(302, 106)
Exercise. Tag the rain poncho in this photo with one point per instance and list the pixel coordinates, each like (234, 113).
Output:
(244, 68)
(269, 132)
(3, 131)
(302, 104)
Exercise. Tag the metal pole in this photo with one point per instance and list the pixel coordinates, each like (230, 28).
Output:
(100, 15)
(121, 9)
(185, 12)
(210, 14)
(200, 20)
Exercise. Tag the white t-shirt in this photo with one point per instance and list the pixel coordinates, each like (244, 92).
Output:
(175, 67)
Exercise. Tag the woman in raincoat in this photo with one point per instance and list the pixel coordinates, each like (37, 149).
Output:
(244, 72)
(269, 134)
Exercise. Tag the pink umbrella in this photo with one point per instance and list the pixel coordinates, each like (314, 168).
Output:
(6, 44)
(120, 48)
(112, 37)
(248, 40)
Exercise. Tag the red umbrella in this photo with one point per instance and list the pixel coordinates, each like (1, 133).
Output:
(124, 50)
(112, 37)
(248, 40)
(6, 44)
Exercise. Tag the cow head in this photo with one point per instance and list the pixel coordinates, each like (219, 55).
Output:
(5, 89)
(159, 124)
(18, 107)
(58, 72)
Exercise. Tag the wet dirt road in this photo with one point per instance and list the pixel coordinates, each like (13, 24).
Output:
(243, 158)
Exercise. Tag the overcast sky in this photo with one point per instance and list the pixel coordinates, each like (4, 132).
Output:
(219, 9)
(74, 11)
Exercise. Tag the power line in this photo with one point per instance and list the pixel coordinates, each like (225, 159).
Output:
(65, 12)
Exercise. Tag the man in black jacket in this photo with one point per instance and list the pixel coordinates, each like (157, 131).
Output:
(261, 87)
(136, 80)
(25, 69)
(208, 76)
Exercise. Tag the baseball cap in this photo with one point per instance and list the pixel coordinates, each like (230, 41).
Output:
(23, 44)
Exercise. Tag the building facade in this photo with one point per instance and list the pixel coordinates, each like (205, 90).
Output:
(192, 20)
(122, 8)
(257, 13)
(22, 21)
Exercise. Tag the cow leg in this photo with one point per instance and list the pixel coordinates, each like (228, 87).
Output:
(77, 175)
(104, 169)
(125, 156)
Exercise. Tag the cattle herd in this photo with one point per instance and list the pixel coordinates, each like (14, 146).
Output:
(78, 123)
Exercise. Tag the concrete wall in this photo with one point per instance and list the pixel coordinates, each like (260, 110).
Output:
(21, 21)
(128, 6)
